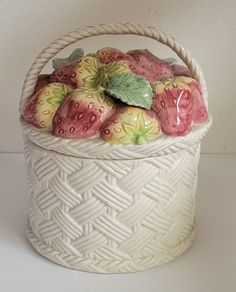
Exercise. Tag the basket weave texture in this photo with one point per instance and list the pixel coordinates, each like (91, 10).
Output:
(111, 208)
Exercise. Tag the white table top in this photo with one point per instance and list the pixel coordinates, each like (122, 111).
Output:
(209, 266)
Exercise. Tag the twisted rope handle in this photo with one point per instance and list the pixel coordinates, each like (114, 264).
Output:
(108, 29)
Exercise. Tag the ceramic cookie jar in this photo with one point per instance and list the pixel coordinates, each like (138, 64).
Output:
(112, 143)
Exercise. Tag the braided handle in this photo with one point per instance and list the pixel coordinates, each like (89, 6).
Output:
(108, 29)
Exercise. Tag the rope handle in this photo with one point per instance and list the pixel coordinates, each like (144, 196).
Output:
(109, 29)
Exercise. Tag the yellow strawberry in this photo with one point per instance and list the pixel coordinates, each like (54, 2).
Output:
(42, 106)
(130, 125)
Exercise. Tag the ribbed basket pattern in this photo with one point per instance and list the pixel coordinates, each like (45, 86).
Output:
(109, 215)
(111, 208)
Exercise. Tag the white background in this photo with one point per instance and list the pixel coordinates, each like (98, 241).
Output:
(206, 27)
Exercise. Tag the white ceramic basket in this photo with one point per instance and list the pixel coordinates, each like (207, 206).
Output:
(111, 208)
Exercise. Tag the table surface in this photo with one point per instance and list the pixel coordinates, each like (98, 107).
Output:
(208, 266)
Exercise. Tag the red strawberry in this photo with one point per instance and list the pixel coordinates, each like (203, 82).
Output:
(112, 55)
(180, 70)
(82, 114)
(171, 89)
(42, 81)
(109, 55)
(80, 73)
(200, 113)
(159, 67)
(173, 104)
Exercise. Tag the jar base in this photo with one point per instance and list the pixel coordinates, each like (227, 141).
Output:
(107, 266)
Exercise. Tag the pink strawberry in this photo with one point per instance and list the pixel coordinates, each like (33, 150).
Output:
(130, 125)
(112, 55)
(173, 104)
(109, 55)
(200, 113)
(159, 67)
(178, 101)
(41, 107)
(80, 73)
(180, 70)
(82, 114)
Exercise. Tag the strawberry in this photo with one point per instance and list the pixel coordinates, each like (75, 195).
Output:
(82, 114)
(180, 70)
(160, 68)
(130, 125)
(41, 107)
(111, 55)
(42, 81)
(200, 113)
(173, 104)
(178, 102)
(83, 72)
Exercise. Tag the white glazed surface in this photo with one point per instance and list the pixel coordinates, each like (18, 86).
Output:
(112, 208)
(111, 216)
(208, 266)
(95, 147)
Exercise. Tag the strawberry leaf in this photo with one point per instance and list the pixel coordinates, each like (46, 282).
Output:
(59, 62)
(171, 61)
(131, 89)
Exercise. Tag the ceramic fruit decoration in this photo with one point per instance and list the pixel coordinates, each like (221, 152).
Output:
(125, 98)
(180, 70)
(200, 114)
(131, 125)
(160, 68)
(42, 81)
(42, 106)
(131, 89)
(110, 55)
(83, 72)
(58, 63)
(82, 114)
(173, 104)
(178, 102)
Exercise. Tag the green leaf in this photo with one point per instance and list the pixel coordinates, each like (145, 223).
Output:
(59, 62)
(131, 89)
(171, 61)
